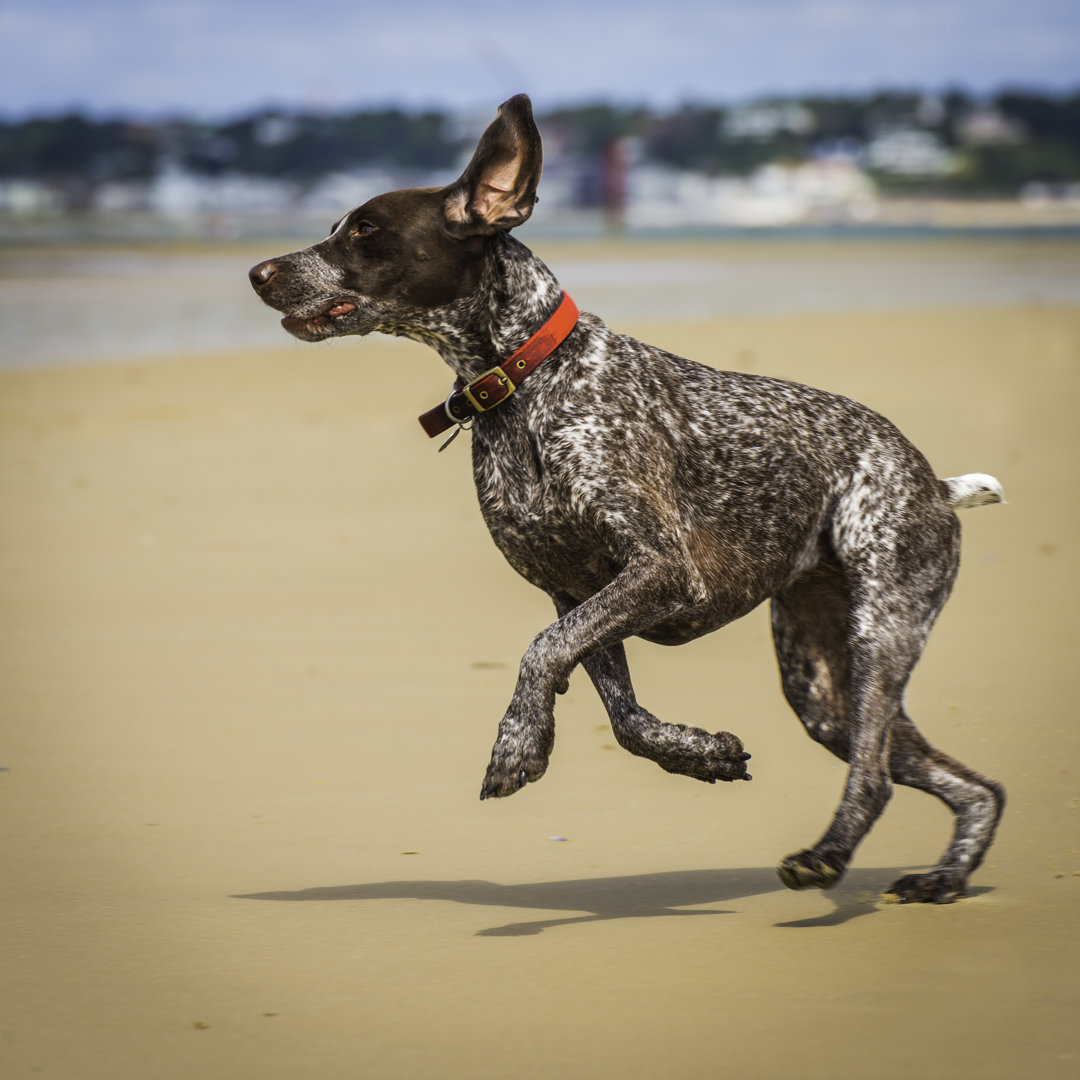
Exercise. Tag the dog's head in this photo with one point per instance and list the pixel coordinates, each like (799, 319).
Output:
(410, 250)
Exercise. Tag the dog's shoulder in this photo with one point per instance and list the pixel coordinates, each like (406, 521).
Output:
(613, 375)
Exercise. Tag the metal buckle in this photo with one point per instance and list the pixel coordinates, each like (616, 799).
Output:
(449, 412)
(479, 400)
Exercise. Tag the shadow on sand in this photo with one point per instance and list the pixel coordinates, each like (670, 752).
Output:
(640, 896)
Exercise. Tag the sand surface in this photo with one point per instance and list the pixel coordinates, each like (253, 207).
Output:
(255, 645)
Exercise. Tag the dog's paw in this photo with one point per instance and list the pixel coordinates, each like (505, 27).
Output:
(722, 758)
(939, 886)
(513, 765)
(697, 754)
(497, 785)
(807, 870)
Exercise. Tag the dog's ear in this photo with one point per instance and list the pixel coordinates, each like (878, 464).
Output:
(497, 190)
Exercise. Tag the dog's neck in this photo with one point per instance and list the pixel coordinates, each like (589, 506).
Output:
(516, 294)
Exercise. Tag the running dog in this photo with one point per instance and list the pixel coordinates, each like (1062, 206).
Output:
(649, 495)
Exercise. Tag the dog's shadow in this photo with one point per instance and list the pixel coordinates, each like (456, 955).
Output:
(639, 896)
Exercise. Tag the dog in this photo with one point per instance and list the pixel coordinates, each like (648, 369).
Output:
(652, 496)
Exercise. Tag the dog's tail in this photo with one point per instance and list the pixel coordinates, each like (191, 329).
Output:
(972, 489)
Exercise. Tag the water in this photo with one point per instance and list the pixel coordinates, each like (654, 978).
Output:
(799, 283)
(61, 306)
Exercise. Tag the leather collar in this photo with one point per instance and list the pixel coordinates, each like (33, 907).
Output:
(495, 386)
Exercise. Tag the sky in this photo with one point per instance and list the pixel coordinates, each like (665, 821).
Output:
(221, 58)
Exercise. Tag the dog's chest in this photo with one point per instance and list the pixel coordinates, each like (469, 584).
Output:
(536, 522)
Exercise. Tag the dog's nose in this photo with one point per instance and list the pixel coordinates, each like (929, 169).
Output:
(261, 274)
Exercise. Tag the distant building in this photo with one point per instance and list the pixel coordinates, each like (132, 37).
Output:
(909, 152)
(767, 120)
(988, 127)
(773, 196)
(28, 198)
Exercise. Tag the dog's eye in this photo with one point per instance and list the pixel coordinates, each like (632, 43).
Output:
(365, 228)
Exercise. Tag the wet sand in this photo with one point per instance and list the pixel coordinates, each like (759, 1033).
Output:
(256, 642)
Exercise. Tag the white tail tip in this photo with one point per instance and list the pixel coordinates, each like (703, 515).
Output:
(973, 489)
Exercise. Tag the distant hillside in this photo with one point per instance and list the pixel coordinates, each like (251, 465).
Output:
(948, 144)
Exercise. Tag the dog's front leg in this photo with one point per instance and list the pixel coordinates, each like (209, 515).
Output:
(676, 748)
(642, 595)
(639, 596)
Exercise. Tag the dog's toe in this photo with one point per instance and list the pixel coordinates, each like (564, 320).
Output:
(727, 758)
(496, 788)
(505, 777)
(807, 870)
(935, 887)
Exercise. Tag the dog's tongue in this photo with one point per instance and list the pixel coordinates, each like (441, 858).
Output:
(341, 309)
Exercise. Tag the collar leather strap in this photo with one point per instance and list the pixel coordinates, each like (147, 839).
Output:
(495, 386)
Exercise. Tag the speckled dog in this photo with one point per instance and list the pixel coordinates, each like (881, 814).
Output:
(651, 496)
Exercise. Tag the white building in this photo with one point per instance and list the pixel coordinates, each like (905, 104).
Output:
(773, 196)
(910, 152)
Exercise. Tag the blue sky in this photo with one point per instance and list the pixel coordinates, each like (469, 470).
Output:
(217, 58)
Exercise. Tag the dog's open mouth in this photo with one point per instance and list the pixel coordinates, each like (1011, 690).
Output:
(321, 325)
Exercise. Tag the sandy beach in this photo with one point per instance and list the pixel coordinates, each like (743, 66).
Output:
(255, 645)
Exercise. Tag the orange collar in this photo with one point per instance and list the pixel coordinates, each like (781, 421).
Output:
(495, 386)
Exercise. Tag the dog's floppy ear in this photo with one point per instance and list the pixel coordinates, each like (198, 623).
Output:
(497, 190)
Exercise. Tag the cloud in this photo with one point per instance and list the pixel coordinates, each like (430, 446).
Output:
(204, 56)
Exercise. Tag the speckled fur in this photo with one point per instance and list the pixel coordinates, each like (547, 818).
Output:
(651, 496)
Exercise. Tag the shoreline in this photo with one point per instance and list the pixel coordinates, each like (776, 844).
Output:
(893, 218)
(134, 302)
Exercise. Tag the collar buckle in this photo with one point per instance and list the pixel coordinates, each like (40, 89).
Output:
(488, 390)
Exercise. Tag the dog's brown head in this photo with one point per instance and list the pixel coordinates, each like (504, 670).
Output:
(414, 249)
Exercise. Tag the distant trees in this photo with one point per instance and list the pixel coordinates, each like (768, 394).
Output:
(286, 145)
(991, 145)
(72, 145)
(304, 146)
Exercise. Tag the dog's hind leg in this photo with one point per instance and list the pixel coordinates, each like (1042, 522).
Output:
(809, 625)
(976, 801)
(676, 748)
(884, 640)
(810, 628)
(846, 689)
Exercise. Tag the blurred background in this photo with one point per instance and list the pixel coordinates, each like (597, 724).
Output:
(149, 151)
(197, 119)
